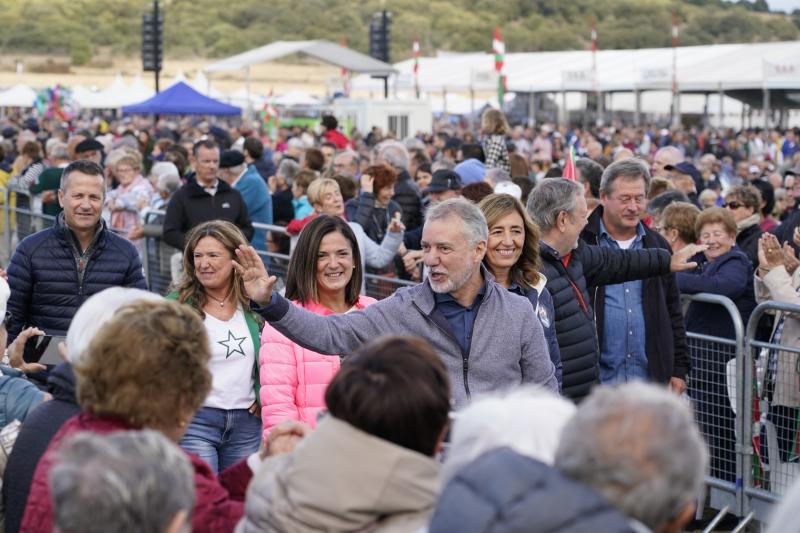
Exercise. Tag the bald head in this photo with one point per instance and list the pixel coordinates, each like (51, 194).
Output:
(668, 155)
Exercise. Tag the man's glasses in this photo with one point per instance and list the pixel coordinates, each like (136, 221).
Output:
(732, 205)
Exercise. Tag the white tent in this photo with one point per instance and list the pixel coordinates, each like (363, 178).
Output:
(202, 85)
(295, 98)
(139, 91)
(704, 69)
(18, 96)
(240, 98)
(323, 50)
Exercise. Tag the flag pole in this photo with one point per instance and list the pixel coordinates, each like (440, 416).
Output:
(499, 49)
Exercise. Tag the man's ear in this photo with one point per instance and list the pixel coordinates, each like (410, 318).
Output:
(61, 198)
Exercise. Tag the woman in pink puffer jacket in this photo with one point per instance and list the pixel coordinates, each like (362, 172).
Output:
(324, 277)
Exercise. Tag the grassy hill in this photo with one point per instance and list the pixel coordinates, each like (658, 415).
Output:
(210, 28)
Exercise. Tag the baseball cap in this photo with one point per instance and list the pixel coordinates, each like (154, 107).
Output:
(444, 180)
(685, 168)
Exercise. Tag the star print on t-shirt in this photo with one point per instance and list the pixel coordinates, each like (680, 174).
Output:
(233, 344)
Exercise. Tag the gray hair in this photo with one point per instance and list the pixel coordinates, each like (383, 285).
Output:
(630, 169)
(551, 197)
(638, 446)
(288, 169)
(475, 227)
(412, 143)
(494, 421)
(443, 164)
(496, 175)
(127, 481)
(168, 183)
(393, 153)
(58, 151)
(93, 314)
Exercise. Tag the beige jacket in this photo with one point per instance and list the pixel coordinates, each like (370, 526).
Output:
(342, 479)
(779, 286)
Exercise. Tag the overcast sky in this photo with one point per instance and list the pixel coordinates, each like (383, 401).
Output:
(784, 5)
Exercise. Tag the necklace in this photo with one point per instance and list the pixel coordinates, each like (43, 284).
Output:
(222, 301)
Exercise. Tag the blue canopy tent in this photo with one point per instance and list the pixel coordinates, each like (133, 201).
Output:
(180, 99)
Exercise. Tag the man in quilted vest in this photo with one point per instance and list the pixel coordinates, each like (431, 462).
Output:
(52, 272)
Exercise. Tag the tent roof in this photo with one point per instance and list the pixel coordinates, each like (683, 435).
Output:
(709, 68)
(323, 50)
(181, 99)
(17, 96)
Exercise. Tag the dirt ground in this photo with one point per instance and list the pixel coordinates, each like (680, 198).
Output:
(306, 75)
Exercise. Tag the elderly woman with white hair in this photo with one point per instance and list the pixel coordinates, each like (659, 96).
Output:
(527, 419)
(41, 425)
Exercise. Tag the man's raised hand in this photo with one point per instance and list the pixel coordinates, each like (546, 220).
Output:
(258, 283)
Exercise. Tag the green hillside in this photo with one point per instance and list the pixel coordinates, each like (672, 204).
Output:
(211, 28)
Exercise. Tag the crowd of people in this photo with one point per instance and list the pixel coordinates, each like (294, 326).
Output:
(449, 405)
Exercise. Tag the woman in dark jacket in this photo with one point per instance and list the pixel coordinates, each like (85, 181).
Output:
(374, 207)
(512, 256)
(725, 270)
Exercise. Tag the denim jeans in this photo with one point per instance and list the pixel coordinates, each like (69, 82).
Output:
(222, 437)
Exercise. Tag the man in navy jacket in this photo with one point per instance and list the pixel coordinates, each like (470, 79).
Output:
(54, 271)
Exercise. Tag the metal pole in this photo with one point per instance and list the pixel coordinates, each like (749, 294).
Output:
(531, 109)
(637, 115)
(386, 87)
(705, 112)
(766, 106)
(721, 107)
(248, 110)
(156, 35)
(564, 119)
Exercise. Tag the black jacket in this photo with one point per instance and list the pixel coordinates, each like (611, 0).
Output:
(374, 220)
(665, 333)
(34, 437)
(747, 241)
(46, 289)
(191, 205)
(588, 267)
(505, 492)
(407, 195)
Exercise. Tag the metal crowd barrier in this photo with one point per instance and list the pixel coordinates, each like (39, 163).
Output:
(717, 369)
(770, 448)
(162, 266)
(162, 263)
(746, 397)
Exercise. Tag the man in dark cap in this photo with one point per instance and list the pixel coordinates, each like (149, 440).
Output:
(445, 184)
(246, 179)
(205, 198)
(89, 149)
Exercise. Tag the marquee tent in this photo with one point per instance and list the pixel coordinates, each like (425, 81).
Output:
(17, 96)
(323, 50)
(181, 99)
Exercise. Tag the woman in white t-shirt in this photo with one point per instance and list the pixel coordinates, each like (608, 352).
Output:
(227, 427)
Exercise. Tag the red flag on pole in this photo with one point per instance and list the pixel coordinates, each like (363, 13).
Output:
(499, 50)
(569, 166)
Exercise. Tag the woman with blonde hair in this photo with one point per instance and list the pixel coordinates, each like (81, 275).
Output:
(512, 257)
(495, 128)
(226, 428)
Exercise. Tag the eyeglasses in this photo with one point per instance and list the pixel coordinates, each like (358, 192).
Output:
(732, 205)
